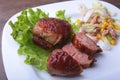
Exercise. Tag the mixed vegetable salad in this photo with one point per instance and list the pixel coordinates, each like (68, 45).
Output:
(99, 24)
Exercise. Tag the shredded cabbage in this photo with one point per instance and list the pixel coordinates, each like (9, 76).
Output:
(97, 20)
(106, 44)
(83, 9)
(117, 32)
(117, 22)
(88, 15)
(89, 27)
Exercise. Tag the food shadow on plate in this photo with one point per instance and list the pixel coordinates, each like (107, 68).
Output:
(98, 55)
(42, 75)
(77, 77)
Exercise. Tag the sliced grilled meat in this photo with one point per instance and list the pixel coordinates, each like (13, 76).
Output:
(40, 41)
(52, 31)
(62, 64)
(85, 44)
(82, 58)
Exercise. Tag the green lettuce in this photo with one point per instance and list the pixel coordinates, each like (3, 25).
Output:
(22, 33)
(61, 15)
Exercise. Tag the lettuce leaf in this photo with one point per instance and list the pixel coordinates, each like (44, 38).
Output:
(61, 15)
(22, 33)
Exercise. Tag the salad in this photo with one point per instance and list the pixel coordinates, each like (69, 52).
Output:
(99, 24)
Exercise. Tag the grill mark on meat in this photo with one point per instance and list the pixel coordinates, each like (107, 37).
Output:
(39, 41)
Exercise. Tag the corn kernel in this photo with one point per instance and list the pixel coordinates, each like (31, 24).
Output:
(111, 23)
(98, 36)
(106, 18)
(101, 30)
(78, 21)
(104, 24)
(102, 38)
(117, 27)
(113, 42)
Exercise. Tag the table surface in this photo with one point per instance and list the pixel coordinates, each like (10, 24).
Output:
(9, 8)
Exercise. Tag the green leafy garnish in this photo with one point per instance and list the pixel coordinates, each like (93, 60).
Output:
(61, 15)
(22, 33)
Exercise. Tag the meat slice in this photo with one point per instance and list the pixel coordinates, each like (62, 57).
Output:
(85, 44)
(61, 63)
(52, 30)
(94, 19)
(112, 32)
(105, 32)
(83, 59)
(39, 41)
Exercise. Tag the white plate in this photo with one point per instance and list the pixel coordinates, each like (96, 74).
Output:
(107, 66)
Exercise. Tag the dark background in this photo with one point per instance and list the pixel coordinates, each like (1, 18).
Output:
(9, 7)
